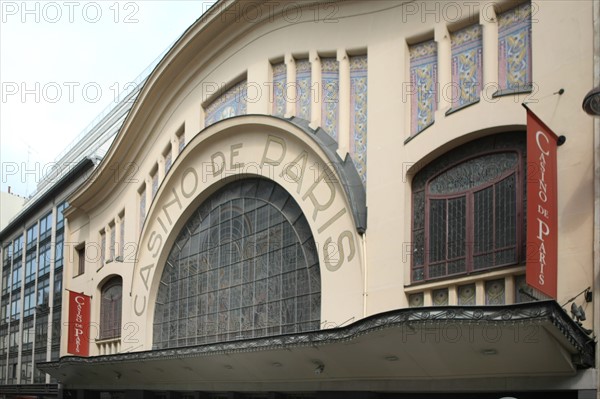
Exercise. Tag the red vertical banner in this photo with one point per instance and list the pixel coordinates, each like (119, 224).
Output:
(542, 207)
(79, 324)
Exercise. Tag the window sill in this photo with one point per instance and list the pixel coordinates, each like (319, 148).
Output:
(527, 88)
(413, 135)
(101, 341)
(461, 107)
(462, 280)
(77, 275)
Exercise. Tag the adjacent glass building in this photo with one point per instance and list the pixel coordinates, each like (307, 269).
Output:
(33, 251)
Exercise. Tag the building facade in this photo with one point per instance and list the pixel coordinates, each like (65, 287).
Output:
(33, 246)
(311, 199)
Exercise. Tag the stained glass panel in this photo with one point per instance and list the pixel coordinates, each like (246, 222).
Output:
(494, 292)
(466, 295)
(258, 273)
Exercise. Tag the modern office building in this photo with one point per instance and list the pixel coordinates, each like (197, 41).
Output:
(31, 299)
(32, 249)
(346, 199)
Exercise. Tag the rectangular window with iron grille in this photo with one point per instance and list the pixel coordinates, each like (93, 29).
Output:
(468, 210)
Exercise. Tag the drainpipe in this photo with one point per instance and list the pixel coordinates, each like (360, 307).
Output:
(596, 282)
(366, 273)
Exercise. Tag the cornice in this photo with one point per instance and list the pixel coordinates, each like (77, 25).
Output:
(211, 36)
(526, 313)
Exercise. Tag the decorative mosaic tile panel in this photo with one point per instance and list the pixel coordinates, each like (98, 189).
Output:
(358, 114)
(331, 92)
(494, 292)
(279, 86)
(229, 104)
(303, 82)
(423, 78)
(466, 295)
(440, 297)
(467, 65)
(514, 48)
(415, 300)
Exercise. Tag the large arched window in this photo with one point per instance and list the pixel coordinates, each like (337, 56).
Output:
(245, 265)
(110, 308)
(469, 209)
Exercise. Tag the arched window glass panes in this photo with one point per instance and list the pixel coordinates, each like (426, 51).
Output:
(110, 308)
(469, 209)
(245, 265)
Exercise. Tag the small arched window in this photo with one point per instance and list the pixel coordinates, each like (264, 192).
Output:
(469, 208)
(110, 308)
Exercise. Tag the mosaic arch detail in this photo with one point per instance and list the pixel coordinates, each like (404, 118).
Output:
(229, 104)
(245, 265)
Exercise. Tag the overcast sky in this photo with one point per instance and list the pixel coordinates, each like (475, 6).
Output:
(63, 62)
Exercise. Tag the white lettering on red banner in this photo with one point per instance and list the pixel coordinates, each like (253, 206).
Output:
(79, 324)
(542, 219)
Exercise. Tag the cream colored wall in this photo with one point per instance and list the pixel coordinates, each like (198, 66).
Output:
(177, 91)
(562, 44)
(10, 205)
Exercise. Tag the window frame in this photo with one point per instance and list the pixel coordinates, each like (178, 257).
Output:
(102, 234)
(32, 236)
(168, 158)
(154, 180)
(80, 251)
(142, 199)
(45, 229)
(121, 247)
(60, 218)
(112, 241)
(42, 293)
(519, 170)
(114, 314)
(180, 135)
(44, 258)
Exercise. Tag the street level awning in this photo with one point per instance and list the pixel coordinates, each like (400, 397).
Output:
(396, 350)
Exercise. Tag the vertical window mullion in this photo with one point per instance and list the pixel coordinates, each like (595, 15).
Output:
(494, 224)
(520, 211)
(470, 231)
(447, 235)
(427, 238)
